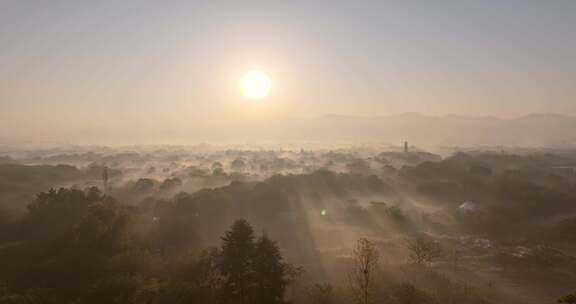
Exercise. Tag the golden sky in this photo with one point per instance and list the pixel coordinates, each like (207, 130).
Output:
(176, 64)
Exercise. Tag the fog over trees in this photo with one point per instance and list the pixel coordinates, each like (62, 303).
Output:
(349, 225)
(287, 152)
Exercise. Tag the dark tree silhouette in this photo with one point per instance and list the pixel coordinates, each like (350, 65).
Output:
(55, 212)
(237, 263)
(270, 272)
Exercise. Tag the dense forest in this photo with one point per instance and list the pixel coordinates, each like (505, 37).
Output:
(275, 226)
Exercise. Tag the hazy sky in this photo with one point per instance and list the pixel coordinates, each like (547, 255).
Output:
(176, 63)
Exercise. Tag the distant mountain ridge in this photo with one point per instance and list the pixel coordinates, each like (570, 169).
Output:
(533, 130)
(540, 129)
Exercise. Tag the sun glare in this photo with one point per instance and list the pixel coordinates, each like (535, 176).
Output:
(255, 84)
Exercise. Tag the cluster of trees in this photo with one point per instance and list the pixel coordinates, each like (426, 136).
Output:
(253, 270)
(146, 244)
(20, 183)
(78, 246)
(517, 193)
(83, 247)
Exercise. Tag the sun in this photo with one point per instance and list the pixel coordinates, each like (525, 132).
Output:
(255, 84)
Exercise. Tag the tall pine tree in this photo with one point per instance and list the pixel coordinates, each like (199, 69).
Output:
(269, 271)
(237, 263)
(254, 271)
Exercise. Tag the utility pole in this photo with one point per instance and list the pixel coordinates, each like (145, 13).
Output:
(105, 179)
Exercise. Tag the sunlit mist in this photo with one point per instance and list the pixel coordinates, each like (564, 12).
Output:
(255, 84)
(275, 152)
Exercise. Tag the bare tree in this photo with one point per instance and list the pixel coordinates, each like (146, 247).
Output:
(423, 250)
(361, 275)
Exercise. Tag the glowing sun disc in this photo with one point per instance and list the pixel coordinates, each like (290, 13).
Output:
(255, 84)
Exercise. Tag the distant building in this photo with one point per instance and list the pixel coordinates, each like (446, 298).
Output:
(406, 147)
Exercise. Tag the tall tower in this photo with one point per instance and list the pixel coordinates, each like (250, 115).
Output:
(405, 146)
